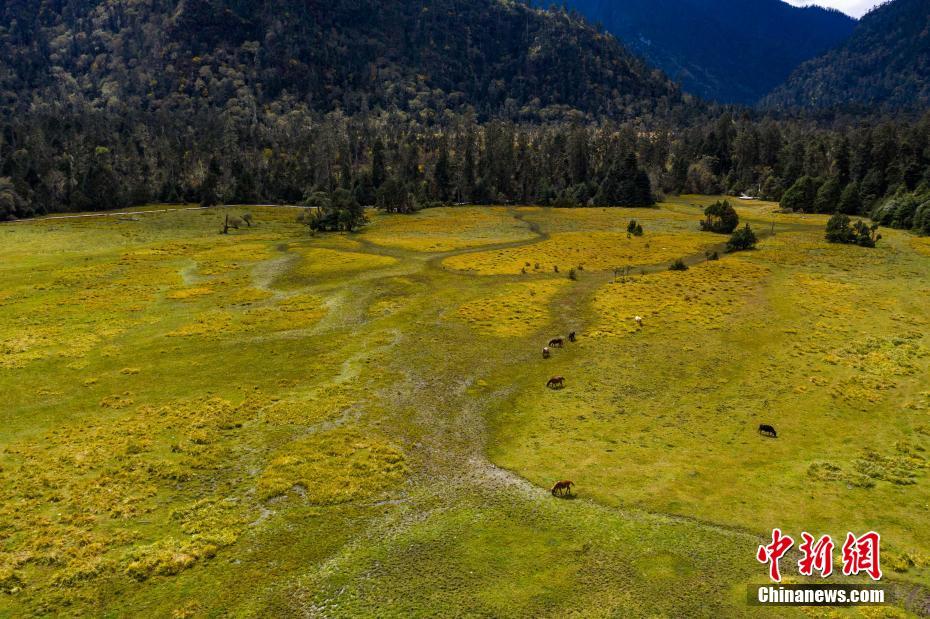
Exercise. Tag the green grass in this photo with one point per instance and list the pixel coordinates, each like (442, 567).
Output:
(357, 424)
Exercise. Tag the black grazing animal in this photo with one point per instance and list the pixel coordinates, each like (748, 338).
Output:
(556, 341)
(767, 430)
(571, 337)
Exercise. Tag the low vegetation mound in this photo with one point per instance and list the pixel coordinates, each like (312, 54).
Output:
(333, 467)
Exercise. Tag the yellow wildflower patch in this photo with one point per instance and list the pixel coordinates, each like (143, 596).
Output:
(319, 262)
(290, 314)
(447, 229)
(190, 293)
(333, 467)
(517, 310)
(595, 251)
(698, 297)
(921, 244)
(612, 219)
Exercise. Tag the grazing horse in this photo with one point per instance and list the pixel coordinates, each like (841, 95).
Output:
(556, 381)
(562, 487)
(767, 430)
(639, 321)
(571, 337)
(545, 352)
(557, 341)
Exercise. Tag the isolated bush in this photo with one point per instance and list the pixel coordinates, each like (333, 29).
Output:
(634, 228)
(742, 239)
(678, 265)
(720, 217)
(839, 230)
(338, 211)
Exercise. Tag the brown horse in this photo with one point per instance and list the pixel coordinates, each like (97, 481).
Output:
(557, 341)
(545, 352)
(562, 487)
(571, 337)
(556, 381)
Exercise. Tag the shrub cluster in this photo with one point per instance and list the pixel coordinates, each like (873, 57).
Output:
(720, 217)
(840, 230)
(742, 239)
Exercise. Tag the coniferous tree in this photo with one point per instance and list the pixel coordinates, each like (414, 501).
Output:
(849, 200)
(801, 196)
(720, 217)
(828, 196)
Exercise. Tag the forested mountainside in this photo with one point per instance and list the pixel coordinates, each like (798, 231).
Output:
(108, 104)
(883, 66)
(732, 51)
(236, 56)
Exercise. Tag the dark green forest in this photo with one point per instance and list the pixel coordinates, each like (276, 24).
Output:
(402, 105)
(730, 51)
(884, 66)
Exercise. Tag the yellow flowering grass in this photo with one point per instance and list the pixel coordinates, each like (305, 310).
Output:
(594, 251)
(515, 310)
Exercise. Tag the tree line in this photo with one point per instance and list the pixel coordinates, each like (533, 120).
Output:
(100, 160)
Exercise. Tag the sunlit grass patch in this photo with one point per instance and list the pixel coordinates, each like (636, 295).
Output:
(516, 310)
(227, 255)
(303, 406)
(921, 244)
(700, 297)
(824, 297)
(190, 293)
(318, 262)
(600, 219)
(289, 314)
(810, 249)
(880, 365)
(101, 475)
(595, 251)
(277, 447)
(333, 467)
(446, 229)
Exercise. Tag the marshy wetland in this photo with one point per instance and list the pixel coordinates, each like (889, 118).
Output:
(269, 422)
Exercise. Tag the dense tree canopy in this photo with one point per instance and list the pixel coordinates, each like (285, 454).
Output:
(885, 64)
(109, 104)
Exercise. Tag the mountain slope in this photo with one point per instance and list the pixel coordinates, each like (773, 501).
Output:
(884, 65)
(726, 50)
(353, 55)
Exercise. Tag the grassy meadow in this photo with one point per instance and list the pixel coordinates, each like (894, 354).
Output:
(270, 423)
